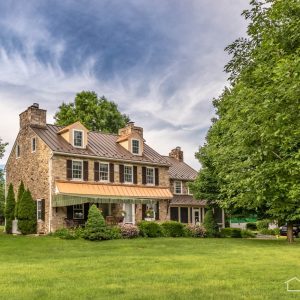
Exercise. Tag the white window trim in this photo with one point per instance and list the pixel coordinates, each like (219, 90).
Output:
(175, 187)
(128, 182)
(151, 184)
(78, 179)
(18, 154)
(33, 138)
(189, 191)
(74, 138)
(139, 153)
(37, 209)
(108, 172)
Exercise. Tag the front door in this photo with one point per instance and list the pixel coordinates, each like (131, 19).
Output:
(129, 213)
(196, 215)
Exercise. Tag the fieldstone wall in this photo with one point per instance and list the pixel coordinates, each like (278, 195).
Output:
(32, 168)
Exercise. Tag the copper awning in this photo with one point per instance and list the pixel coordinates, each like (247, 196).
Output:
(70, 193)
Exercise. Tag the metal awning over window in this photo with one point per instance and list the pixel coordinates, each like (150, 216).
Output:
(71, 193)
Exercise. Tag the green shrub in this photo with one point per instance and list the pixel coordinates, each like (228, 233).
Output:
(95, 228)
(114, 232)
(21, 191)
(173, 229)
(247, 234)
(65, 233)
(10, 209)
(27, 214)
(267, 231)
(251, 226)
(231, 232)
(210, 225)
(194, 230)
(262, 224)
(150, 229)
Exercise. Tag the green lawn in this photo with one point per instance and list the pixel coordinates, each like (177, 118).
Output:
(163, 268)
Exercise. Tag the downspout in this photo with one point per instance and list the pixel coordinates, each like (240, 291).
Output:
(50, 190)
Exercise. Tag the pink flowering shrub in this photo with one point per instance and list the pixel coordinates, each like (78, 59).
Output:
(129, 231)
(195, 230)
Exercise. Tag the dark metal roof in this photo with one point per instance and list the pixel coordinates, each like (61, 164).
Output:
(186, 200)
(100, 145)
(180, 170)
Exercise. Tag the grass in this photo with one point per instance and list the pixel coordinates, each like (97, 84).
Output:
(163, 268)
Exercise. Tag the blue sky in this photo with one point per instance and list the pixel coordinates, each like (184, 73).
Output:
(161, 61)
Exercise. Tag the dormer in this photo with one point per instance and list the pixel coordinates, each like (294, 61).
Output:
(75, 134)
(131, 138)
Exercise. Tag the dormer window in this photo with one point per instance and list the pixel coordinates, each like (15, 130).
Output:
(135, 147)
(177, 187)
(78, 138)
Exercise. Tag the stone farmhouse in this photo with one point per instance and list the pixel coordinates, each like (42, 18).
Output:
(68, 168)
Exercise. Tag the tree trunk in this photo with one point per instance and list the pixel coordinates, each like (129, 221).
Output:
(290, 235)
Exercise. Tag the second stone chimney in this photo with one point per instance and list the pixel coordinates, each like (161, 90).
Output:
(129, 129)
(177, 154)
(33, 116)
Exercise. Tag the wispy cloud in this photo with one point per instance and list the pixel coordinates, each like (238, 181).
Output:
(161, 61)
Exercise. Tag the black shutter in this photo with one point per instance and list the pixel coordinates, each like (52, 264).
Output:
(43, 209)
(70, 212)
(111, 172)
(143, 175)
(143, 211)
(135, 174)
(96, 171)
(85, 170)
(156, 176)
(157, 211)
(121, 167)
(69, 169)
(86, 207)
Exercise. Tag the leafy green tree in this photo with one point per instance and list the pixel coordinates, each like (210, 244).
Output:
(27, 222)
(253, 145)
(97, 114)
(10, 209)
(210, 224)
(95, 227)
(21, 191)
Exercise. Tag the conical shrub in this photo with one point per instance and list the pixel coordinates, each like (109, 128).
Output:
(210, 224)
(21, 191)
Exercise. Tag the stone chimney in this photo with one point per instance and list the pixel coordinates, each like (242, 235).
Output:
(130, 129)
(33, 116)
(177, 154)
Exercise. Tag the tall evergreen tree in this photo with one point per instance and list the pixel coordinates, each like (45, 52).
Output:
(2, 198)
(10, 209)
(21, 191)
(27, 221)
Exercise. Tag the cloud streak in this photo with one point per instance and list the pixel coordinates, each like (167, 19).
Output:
(161, 61)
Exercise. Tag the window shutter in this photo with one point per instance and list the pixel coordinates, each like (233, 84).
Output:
(70, 212)
(111, 172)
(85, 170)
(157, 211)
(43, 210)
(96, 171)
(121, 167)
(156, 176)
(69, 169)
(135, 174)
(143, 175)
(143, 211)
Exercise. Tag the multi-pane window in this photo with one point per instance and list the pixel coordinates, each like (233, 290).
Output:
(177, 187)
(128, 174)
(77, 169)
(33, 144)
(18, 151)
(78, 138)
(150, 175)
(39, 209)
(135, 146)
(78, 211)
(103, 172)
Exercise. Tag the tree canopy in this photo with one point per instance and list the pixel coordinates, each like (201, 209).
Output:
(97, 114)
(2, 184)
(251, 158)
